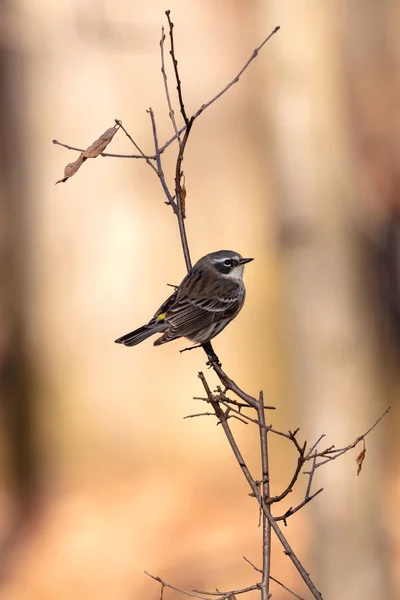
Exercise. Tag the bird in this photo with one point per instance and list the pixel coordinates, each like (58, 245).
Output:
(210, 296)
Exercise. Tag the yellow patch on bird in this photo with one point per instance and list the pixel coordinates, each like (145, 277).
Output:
(161, 317)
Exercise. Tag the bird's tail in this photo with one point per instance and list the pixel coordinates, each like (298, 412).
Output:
(140, 334)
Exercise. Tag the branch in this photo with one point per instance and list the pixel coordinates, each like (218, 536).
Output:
(164, 584)
(202, 108)
(266, 526)
(287, 589)
(202, 594)
(159, 170)
(332, 453)
(274, 579)
(105, 154)
(175, 63)
(180, 194)
(289, 488)
(128, 135)
(254, 488)
(171, 113)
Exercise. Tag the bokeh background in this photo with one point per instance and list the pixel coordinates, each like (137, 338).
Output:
(299, 166)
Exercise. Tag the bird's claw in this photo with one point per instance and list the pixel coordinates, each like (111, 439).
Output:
(213, 360)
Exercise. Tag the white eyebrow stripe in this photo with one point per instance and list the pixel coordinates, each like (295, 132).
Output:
(221, 261)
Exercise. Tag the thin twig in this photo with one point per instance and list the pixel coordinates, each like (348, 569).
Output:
(128, 135)
(180, 201)
(266, 527)
(252, 564)
(338, 452)
(228, 595)
(315, 445)
(171, 113)
(231, 385)
(175, 64)
(105, 154)
(294, 510)
(287, 589)
(196, 114)
(164, 584)
(203, 107)
(275, 580)
(159, 169)
(204, 414)
(289, 488)
(311, 477)
(221, 417)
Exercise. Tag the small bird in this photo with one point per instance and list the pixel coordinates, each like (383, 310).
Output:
(207, 299)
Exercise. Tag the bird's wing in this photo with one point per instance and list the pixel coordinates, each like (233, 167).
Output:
(161, 312)
(189, 315)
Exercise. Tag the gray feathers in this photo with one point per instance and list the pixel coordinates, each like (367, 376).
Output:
(207, 300)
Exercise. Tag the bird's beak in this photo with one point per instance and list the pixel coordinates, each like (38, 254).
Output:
(243, 261)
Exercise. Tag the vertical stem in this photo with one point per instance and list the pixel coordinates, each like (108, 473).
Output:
(266, 527)
(179, 200)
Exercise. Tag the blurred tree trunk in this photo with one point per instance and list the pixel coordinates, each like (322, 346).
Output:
(332, 337)
(373, 85)
(17, 445)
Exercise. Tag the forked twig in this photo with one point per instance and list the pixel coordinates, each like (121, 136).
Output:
(202, 108)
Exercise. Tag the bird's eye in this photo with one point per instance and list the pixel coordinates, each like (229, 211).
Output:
(228, 262)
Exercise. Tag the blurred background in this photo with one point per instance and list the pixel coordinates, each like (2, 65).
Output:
(297, 165)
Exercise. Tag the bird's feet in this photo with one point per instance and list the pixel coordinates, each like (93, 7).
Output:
(213, 359)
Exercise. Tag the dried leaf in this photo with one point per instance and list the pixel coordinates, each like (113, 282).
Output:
(183, 197)
(360, 459)
(92, 151)
(100, 144)
(72, 168)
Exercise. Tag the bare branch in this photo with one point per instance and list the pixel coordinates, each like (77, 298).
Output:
(294, 510)
(203, 107)
(180, 199)
(171, 113)
(231, 593)
(128, 135)
(254, 488)
(332, 453)
(287, 589)
(252, 564)
(164, 584)
(205, 414)
(289, 488)
(266, 526)
(274, 579)
(231, 385)
(104, 154)
(159, 169)
(175, 63)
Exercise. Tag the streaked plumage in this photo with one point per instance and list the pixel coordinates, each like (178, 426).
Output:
(207, 299)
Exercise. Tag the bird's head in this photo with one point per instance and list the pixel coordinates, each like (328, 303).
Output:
(227, 263)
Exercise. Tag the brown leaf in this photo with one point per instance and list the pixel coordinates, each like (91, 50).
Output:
(72, 168)
(360, 459)
(92, 151)
(183, 197)
(100, 144)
